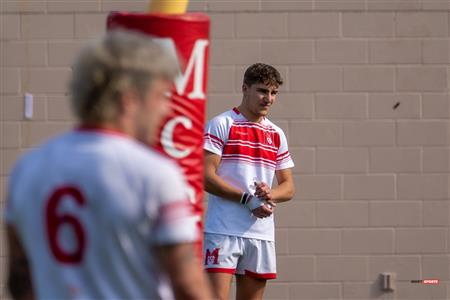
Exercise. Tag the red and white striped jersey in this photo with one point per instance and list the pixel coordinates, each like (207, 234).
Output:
(249, 152)
(89, 207)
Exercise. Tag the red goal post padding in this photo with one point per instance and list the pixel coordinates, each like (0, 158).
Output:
(181, 135)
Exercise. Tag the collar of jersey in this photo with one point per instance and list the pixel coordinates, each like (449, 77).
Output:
(237, 111)
(101, 130)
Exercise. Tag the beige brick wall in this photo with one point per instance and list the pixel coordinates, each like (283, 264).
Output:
(373, 182)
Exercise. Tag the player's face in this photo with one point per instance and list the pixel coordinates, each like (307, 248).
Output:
(258, 98)
(154, 108)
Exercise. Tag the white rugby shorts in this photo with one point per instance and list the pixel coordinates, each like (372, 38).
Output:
(238, 255)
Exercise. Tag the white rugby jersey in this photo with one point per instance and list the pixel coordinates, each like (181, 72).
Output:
(89, 207)
(249, 152)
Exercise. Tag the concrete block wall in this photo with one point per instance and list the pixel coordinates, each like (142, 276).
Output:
(365, 105)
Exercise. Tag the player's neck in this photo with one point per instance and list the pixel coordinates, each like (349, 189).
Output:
(249, 115)
(109, 126)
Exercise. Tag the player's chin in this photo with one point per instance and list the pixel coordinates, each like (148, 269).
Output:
(264, 111)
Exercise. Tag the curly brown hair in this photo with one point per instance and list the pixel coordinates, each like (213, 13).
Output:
(262, 73)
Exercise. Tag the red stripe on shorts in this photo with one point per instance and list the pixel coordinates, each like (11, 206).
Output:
(261, 275)
(220, 270)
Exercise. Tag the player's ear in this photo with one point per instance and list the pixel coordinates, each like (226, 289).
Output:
(244, 87)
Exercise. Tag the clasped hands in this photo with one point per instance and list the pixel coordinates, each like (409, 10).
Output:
(263, 192)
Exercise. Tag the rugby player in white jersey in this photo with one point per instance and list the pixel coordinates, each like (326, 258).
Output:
(244, 151)
(95, 213)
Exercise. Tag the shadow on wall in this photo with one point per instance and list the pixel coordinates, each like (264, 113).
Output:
(376, 291)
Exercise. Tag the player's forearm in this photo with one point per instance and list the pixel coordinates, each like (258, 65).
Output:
(283, 192)
(19, 276)
(191, 283)
(19, 283)
(194, 285)
(219, 187)
(185, 272)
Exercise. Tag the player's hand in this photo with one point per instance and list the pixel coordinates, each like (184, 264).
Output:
(263, 211)
(271, 204)
(262, 191)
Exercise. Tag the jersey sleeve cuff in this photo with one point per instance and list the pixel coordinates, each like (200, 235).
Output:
(212, 149)
(177, 232)
(286, 165)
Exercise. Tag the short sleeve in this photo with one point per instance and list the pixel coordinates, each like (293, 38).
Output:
(284, 160)
(175, 221)
(215, 135)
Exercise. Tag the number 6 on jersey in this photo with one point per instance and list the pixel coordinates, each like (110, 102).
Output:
(54, 222)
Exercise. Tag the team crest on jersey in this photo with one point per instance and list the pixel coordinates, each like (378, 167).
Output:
(212, 258)
(269, 139)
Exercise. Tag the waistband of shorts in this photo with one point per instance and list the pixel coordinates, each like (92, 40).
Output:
(240, 235)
